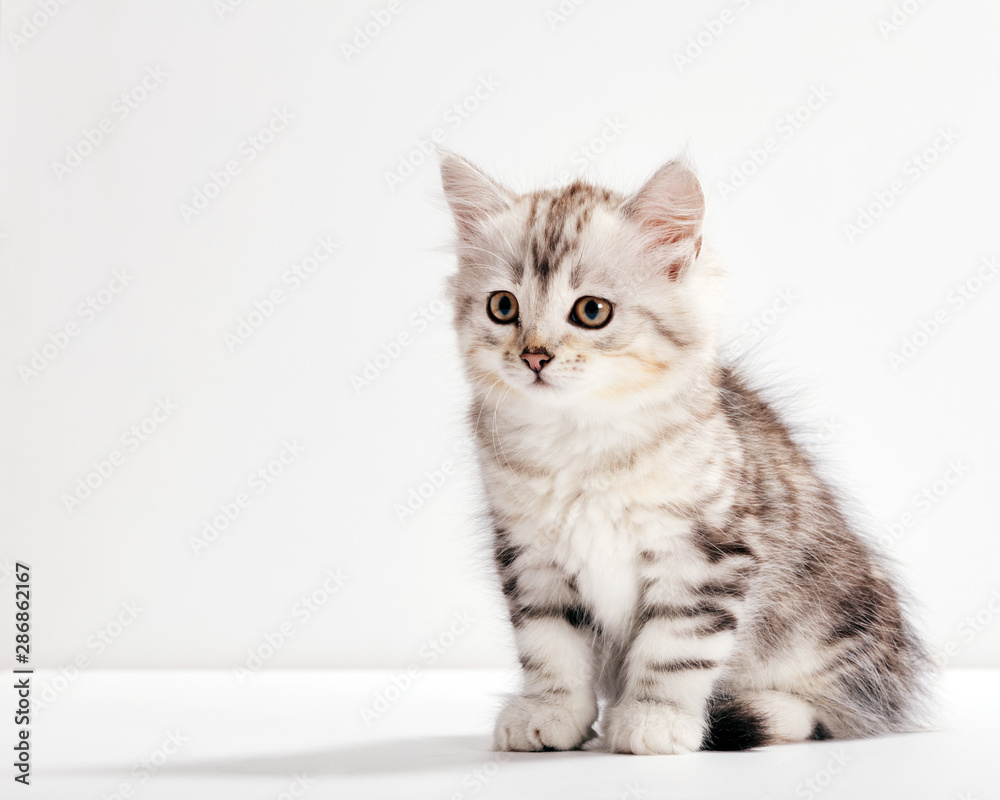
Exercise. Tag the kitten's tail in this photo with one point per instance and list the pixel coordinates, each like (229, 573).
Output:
(756, 719)
(762, 717)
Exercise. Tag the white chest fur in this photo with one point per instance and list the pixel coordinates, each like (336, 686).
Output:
(578, 499)
(594, 528)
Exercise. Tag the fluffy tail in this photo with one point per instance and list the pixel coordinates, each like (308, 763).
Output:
(756, 719)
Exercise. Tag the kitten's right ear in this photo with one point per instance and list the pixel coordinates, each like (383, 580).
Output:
(472, 196)
(670, 210)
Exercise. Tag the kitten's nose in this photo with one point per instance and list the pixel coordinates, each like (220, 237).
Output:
(536, 358)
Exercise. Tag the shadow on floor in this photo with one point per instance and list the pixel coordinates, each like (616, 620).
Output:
(393, 756)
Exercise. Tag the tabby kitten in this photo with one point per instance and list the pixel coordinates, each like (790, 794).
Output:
(662, 542)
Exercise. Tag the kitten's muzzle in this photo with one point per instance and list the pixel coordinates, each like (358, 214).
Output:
(536, 358)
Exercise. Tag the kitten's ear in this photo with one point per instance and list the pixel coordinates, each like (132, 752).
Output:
(670, 210)
(472, 195)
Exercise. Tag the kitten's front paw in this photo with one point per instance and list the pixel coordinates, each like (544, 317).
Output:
(532, 723)
(650, 728)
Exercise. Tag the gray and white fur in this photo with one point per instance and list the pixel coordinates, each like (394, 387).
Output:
(664, 546)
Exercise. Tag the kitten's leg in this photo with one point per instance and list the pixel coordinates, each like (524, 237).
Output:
(683, 637)
(558, 704)
(669, 678)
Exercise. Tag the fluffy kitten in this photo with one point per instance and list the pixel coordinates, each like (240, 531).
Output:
(662, 542)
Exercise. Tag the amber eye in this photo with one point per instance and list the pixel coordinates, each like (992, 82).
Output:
(502, 308)
(591, 312)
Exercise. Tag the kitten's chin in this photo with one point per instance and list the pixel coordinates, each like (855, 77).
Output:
(541, 388)
(546, 391)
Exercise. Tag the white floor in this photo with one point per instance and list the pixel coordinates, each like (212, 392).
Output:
(285, 734)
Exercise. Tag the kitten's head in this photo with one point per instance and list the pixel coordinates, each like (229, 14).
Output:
(579, 295)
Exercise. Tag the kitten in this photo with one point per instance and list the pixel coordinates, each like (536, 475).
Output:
(662, 542)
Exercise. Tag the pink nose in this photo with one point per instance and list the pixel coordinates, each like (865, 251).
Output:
(536, 359)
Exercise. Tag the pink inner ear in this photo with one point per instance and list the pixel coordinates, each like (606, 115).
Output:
(671, 233)
(670, 209)
(674, 270)
(667, 233)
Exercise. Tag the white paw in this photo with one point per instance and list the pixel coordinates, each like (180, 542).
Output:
(649, 728)
(531, 723)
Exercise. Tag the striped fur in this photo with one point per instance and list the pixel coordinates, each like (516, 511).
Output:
(662, 542)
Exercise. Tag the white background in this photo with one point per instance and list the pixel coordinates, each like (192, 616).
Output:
(889, 432)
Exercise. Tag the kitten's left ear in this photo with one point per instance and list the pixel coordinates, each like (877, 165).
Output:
(670, 210)
(472, 195)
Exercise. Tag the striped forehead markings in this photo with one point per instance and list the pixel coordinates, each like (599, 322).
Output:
(556, 231)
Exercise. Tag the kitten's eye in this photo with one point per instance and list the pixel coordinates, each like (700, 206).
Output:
(591, 312)
(502, 308)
